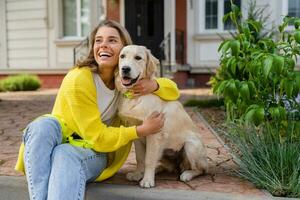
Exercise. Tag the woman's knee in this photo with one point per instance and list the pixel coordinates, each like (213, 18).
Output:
(65, 154)
(42, 129)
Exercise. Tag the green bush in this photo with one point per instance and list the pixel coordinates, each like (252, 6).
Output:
(22, 82)
(269, 157)
(201, 103)
(257, 77)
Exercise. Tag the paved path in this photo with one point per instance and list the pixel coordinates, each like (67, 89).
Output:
(19, 108)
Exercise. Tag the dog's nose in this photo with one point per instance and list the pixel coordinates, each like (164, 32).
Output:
(125, 69)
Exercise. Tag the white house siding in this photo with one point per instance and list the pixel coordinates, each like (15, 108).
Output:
(26, 33)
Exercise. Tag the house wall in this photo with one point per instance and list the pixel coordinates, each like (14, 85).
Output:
(26, 34)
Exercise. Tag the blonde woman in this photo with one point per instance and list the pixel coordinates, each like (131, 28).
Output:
(77, 143)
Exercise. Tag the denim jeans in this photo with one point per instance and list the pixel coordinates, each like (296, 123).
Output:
(55, 170)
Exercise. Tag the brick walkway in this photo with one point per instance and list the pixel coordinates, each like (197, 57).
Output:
(19, 108)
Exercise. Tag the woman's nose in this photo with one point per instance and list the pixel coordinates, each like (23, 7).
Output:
(103, 44)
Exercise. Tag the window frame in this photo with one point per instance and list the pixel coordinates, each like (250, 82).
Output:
(78, 21)
(220, 25)
(285, 11)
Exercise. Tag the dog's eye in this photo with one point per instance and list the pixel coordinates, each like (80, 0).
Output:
(122, 56)
(138, 57)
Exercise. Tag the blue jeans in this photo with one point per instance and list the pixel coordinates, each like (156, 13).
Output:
(55, 170)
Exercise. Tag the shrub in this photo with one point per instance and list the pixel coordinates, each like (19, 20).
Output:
(257, 77)
(204, 102)
(269, 157)
(23, 82)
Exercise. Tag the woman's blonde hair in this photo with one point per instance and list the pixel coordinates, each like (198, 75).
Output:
(90, 61)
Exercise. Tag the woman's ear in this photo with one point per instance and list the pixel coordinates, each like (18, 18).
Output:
(152, 64)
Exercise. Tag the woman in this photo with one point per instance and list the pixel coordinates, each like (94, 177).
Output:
(77, 143)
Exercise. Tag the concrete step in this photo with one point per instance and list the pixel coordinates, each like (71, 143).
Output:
(15, 188)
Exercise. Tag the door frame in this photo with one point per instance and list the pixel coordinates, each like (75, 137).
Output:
(169, 23)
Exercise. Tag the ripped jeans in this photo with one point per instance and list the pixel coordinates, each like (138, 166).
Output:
(54, 170)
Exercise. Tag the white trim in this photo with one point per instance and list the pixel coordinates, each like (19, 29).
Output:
(68, 42)
(78, 18)
(191, 7)
(3, 36)
(285, 7)
(122, 12)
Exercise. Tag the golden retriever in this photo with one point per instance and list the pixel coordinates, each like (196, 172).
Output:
(177, 143)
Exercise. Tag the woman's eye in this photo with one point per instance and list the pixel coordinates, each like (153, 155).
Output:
(98, 41)
(122, 56)
(137, 57)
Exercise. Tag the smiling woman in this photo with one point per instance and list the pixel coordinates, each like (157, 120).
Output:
(85, 109)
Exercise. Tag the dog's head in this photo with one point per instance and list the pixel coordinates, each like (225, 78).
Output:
(135, 62)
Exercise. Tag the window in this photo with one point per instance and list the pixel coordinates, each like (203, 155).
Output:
(211, 14)
(294, 8)
(214, 12)
(76, 21)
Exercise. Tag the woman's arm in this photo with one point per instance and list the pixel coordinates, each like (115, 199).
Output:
(162, 87)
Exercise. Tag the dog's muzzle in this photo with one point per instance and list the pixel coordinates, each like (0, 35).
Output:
(126, 78)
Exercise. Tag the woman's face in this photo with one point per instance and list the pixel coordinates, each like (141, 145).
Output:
(107, 47)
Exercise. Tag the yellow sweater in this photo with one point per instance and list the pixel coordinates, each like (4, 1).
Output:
(77, 111)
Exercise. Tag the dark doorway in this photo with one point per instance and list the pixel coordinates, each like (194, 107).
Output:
(144, 19)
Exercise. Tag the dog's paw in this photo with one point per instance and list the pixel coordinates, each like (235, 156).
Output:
(147, 183)
(134, 176)
(186, 176)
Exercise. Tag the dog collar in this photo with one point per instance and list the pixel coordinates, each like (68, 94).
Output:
(128, 94)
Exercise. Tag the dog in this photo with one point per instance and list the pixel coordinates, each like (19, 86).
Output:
(178, 145)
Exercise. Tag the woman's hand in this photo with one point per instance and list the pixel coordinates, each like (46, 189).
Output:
(153, 124)
(144, 86)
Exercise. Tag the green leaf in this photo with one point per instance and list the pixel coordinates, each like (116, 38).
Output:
(245, 91)
(235, 47)
(267, 65)
(275, 113)
(225, 46)
(297, 36)
(220, 89)
(252, 87)
(222, 45)
(249, 117)
(225, 17)
(297, 23)
(246, 30)
(278, 63)
(288, 87)
(282, 112)
(232, 67)
(259, 115)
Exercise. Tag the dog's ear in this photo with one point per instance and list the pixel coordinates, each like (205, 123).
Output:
(152, 64)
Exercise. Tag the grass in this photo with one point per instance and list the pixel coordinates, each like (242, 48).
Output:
(269, 156)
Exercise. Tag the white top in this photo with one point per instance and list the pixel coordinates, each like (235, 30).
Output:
(107, 100)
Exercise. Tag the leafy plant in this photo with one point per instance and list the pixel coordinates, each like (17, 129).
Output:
(204, 102)
(257, 77)
(23, 82)
(269, 157)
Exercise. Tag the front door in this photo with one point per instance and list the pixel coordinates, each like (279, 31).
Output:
(144, 19)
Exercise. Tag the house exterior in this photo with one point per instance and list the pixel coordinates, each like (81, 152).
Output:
(40, 36)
